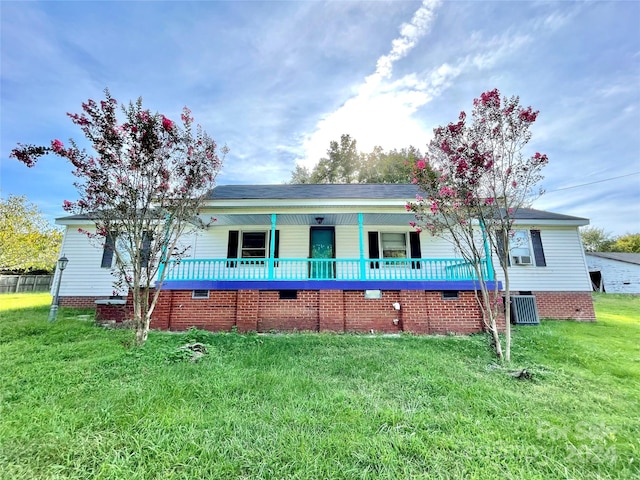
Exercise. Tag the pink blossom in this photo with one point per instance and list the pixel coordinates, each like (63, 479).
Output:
(166, 123)
(541, 158)
(186, 115)
(418, 230)
(446, 192)
(414, 180)
(408, 207)
(491, 99)
(528, 115)
(489, 201)
(57, 146)
(419, 198)
(434, 207)
(421, 164)
(413, 224)
(514, 184)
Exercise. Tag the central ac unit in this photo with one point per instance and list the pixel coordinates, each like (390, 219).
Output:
(522, 260)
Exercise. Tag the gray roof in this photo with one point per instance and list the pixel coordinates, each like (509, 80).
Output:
(370, 191)
(312, 191)
(619, 256)
(384, 191)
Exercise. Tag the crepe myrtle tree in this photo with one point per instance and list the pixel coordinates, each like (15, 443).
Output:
(142, 186)
(473, 180)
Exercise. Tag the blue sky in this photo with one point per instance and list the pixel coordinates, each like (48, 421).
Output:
(277, 81)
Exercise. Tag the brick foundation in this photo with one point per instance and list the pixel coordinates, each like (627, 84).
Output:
(565, 305)
(421, 312)
(79, 302)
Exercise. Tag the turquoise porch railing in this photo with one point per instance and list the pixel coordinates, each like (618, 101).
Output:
(423, 269)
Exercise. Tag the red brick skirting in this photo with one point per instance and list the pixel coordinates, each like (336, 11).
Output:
(565, 305)
(421, 312)
(78, 302)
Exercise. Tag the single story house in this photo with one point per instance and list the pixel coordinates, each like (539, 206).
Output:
(336, 258)
(614, 272)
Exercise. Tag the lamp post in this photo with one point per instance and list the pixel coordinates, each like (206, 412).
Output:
(53, 312)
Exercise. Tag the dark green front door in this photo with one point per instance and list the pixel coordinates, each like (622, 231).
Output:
(322, 247)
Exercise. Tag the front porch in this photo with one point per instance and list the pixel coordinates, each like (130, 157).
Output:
(375, 258)
(320, 274)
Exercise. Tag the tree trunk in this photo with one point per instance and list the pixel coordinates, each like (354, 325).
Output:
(507, 318)
(489, 314)
(141, 333)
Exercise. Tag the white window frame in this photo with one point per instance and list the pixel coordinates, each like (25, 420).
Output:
(382, 250)
(241, 247)
(517, 249)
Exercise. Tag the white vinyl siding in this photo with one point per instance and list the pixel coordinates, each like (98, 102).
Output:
(83, 275)
(565, 270)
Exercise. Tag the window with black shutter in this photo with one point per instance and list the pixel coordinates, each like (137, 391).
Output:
(232, 247)
(538, 251)
(374, 248)
(108, 250)
(251, 245)
(414, 244)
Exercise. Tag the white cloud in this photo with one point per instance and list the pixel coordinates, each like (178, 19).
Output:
(380, 112)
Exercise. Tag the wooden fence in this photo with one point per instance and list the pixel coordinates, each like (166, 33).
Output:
(25, 283)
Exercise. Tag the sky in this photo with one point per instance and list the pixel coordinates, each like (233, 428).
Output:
(277, 81)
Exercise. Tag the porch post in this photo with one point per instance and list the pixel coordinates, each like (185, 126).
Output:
(272, 246)
(363, 264)
(487, 252)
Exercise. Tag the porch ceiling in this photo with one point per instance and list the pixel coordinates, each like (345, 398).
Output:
(328, 219)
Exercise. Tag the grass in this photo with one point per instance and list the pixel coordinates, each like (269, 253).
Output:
(77, 402)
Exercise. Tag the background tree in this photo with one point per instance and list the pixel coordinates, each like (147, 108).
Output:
(300, 175)
(28, 242)
(345, 164)
(629, 243)
(476, 178)
(394, 166)
(341, 164)
(596, 239)
(142, 187)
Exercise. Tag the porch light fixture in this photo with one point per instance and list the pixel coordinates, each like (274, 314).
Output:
(53, 312)
(319, 220)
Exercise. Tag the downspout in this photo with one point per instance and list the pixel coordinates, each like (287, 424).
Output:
(272, 246)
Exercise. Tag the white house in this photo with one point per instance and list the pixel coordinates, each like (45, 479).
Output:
(336, 257)
(615, 272)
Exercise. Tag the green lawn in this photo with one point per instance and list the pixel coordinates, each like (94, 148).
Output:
(77, 402)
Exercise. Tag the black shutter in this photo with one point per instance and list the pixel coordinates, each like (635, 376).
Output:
(414, 244)
(500, 243)
(538, 251)
(374, 248)
(146, 249)
(107, 250)
(232, 247)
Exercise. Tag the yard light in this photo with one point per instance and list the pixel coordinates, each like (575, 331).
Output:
(62, 264)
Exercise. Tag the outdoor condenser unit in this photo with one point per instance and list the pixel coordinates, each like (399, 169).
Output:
(524, 310)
